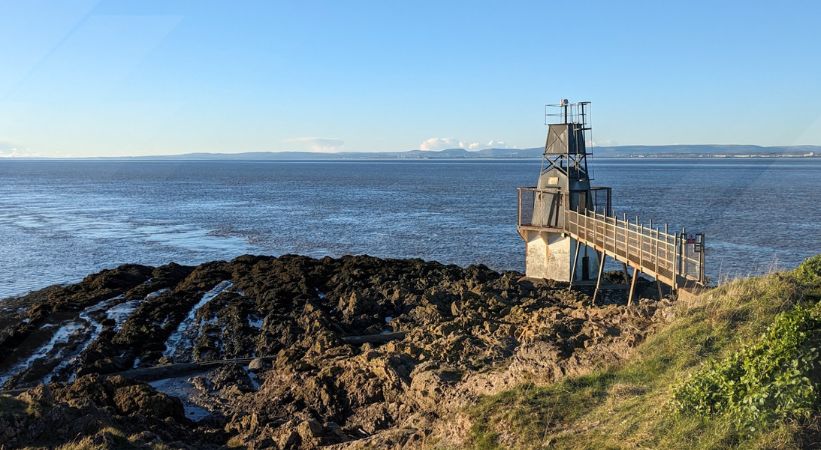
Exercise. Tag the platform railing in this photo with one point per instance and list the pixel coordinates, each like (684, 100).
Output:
(540, 207)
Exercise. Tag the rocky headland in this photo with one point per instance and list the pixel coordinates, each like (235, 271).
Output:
(293, 352)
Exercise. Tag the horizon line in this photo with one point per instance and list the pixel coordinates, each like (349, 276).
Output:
(416, 152)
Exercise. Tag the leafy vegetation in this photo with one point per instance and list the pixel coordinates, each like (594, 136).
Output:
(737, 368)
(810, 270)
(768, 380)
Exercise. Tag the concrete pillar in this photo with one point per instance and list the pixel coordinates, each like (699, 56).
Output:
(550, 256)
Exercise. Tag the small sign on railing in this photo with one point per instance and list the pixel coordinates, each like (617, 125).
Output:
(697, 241)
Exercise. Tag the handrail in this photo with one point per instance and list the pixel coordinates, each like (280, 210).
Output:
(665, 256)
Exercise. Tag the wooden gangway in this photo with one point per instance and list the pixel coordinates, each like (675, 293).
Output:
(675, 259)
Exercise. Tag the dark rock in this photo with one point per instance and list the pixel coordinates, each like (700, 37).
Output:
(230, 375)
(325, 366)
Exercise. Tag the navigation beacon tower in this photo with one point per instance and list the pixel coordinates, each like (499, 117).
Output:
(563, 184)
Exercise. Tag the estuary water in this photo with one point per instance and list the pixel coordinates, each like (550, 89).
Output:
(61, 220)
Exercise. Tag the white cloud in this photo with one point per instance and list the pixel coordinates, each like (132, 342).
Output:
(8, 150)
(497, 144)
(316, 144)
(437, 143)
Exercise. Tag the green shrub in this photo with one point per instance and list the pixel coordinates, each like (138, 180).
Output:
(773, 378)
(810, 270)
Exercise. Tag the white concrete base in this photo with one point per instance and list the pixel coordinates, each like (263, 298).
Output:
(550, 256)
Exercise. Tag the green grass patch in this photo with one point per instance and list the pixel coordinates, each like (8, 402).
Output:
(754, 328)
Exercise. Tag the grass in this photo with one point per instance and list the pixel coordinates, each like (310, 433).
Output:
(631, 406)
(110, 438)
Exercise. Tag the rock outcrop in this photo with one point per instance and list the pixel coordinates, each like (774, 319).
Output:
(354, 352)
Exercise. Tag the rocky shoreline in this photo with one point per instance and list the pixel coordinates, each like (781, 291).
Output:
(292, 352)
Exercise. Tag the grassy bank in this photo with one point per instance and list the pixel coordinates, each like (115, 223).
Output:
(736, 368)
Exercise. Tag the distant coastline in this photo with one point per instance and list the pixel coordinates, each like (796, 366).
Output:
(626, 151)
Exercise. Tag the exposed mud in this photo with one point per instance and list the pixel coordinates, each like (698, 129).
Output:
(348, 353)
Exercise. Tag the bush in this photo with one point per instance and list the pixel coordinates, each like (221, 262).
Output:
(810, 270)
(771, 379)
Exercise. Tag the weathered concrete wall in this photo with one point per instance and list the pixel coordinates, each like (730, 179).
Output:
(550, 255)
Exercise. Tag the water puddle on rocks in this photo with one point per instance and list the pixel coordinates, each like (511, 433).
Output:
(255, 322)
(92, 317)
(50, 349)
(71, 339)
(181, 388)
(121, 312)
(113, 309)
(182, 339)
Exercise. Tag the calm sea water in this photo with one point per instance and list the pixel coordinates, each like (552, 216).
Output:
(60, 220)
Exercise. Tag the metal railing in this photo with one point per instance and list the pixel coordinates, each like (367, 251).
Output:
(540, 207)
(673, 259)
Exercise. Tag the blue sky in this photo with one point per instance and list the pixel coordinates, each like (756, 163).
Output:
(86, 78)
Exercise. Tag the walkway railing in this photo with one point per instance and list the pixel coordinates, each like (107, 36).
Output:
(674, 259)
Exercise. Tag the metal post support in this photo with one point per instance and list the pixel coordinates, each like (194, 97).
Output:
(626, 239)
(675, 263)
(519, 208)
(602, 257)
(575, 261)
(632, 286)
(641, 245)
(701, 260)
(656, 253)
(682, 253)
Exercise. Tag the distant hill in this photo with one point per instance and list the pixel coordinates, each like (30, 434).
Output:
(453, 153)
(625, 151)
(705, 150)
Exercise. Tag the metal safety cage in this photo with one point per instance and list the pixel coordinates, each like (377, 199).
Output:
(601, 200)
(565, 112)
(540, 207)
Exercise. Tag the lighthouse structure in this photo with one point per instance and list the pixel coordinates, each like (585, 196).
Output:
(568, 224)
(564, 183)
